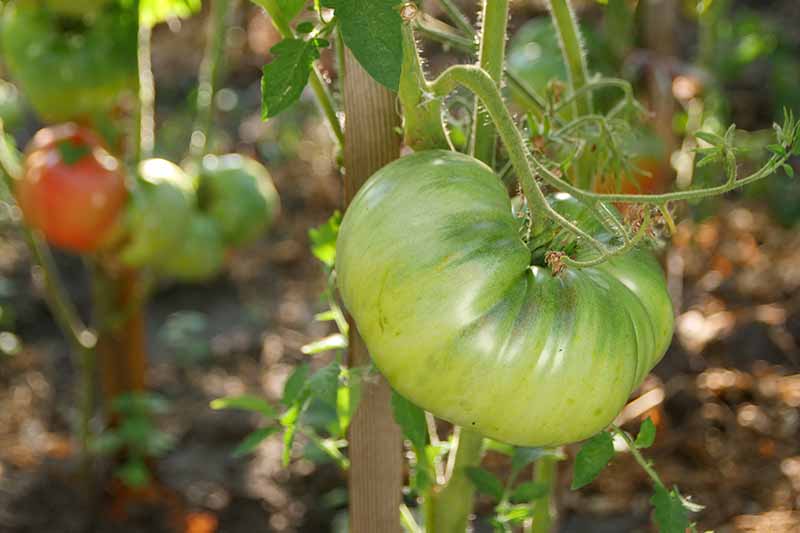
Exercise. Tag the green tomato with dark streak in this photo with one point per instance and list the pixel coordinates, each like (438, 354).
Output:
(159, 214)
(238, 194)
(462, 321)
(200, 256)
(71, 68)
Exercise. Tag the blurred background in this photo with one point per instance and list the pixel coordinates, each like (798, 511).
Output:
(726, 398)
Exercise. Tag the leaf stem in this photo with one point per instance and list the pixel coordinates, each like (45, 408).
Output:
(479, 82)
(448, 509)
(82, 340)
(439, 32)
(569, 37)
(408, 520)
(544, 510)
(457, 17)
(491, 59)
(643, 462)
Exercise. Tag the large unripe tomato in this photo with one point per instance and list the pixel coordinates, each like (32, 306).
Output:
(70, 68)
(200, 256)
(238, 194)
(432, 268)
(160, 212)
(71, 189)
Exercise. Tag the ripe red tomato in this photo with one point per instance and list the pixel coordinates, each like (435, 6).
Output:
(72, 189)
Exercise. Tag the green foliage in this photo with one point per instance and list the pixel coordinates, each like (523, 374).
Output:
(372, 31)
(323, 240)
(313, 403)
(594, 456)
(295, 384)
(252, 441)
(137, 435)
(287, 74)
(411, 420)
(670, 514)
(246, 403)
(529, 491)
(647, 434)
(486, 482)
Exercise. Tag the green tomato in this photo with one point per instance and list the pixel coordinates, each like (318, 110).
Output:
(200, 255)
(159, 213)
(70, 68)
(431, 266)
(238, 194)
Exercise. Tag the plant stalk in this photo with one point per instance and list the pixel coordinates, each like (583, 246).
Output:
(544, 509)
(449, 507)
(209, 75)
(479, 82)
(457, 17)
(81, 339)
(147, 94)
(492, 57)
(569, 37)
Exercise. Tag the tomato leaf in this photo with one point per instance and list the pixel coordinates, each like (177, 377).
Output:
(245, 403)
(324, 383)
(291, 8)
(323, 240)
(252, 441)
(485, 482)
(522, 457)
(286, 75)
(529, 491)
(372, 31)
(295, 385)
(594, 456)
(411, 420)
(647, 434)
(670, 514)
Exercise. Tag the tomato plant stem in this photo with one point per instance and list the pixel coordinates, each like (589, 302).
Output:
(82, 340)
(147, 93)
(637, 455)
(209, 75)
(457, 17)
(532, 102)
(569, 37)
(321, 92)
(544, 509)
(479, 82)
(448, 509)
(491, 59)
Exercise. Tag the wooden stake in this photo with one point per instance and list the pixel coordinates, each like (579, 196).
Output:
(376, 482)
